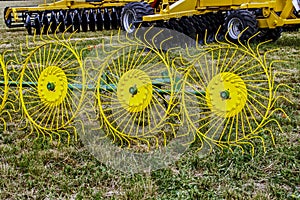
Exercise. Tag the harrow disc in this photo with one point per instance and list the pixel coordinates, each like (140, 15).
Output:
(227, 95)
(61, 21)
(99, 20)
(53, 22)
(84, 21)
(106, 18)
(69, 21)
(92, 20)
(45, 23)
(52, 86)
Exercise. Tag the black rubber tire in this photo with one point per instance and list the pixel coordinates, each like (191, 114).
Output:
(212, 26)
(236, 22)
(270, 34)
(84, 21)
(188, 27)
(53, 22)
(214, 22)
(61, 22)
(175, 38)
(200, 29)
(92, 20)
(275, 34)
(69, 21)
(133, 13)
(174, 25)
(106, 19)
(204, 29)
(99, 22)
(76, 21)
(114, 19)
(37, 25)
(291, 29)
(219, 20)
(160, 23)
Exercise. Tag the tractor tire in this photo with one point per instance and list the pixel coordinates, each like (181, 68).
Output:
(188, 27)
(240, 26)
(215, 21)
(200, 28)
(270, 34)
(212, 27)
(219, 18)
(175, 25)
(61, 22)
(291, 29)
(132, 15)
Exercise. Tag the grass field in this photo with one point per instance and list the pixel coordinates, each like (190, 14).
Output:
(33, 170)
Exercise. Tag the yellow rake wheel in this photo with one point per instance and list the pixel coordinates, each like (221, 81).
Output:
(52, 87)
(228, 96)
(3, 90)
(132, 121)
(137, 103)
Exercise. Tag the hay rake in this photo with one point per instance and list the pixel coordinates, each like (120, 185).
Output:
(143, 97)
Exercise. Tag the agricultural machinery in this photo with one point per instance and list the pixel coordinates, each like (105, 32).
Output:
(139, 93)
(195, 18)
(134, 104)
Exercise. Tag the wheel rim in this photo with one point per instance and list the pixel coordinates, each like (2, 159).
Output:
(52, 86)
(226, 94)
(235, 27)
(135, 90)
(128, 21)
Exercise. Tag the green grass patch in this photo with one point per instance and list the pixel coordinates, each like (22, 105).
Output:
(32, 169)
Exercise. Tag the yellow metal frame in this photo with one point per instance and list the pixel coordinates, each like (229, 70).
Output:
(170, 9)
(196, 7)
